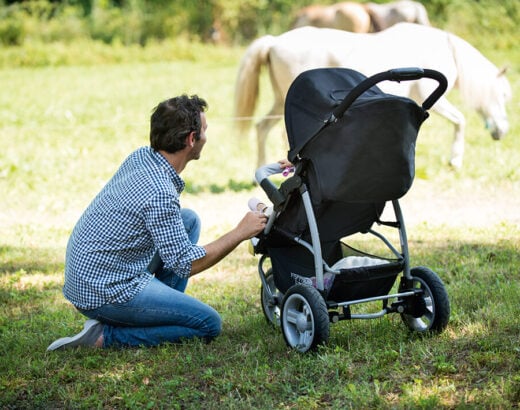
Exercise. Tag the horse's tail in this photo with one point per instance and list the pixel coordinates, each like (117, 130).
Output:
(248, 79)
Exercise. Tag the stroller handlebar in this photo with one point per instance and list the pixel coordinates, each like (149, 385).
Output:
(396, 74)
(262, 175)
(267, 170)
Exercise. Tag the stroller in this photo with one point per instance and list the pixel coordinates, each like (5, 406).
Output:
(353, 150)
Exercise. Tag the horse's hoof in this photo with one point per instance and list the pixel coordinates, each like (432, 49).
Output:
(456, 163)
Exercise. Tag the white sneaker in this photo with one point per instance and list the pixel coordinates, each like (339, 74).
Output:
(87, 337)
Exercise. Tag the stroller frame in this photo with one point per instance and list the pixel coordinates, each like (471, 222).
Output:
(305, 311)
(322, 267)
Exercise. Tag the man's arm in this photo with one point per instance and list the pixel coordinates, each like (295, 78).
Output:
(250, 225)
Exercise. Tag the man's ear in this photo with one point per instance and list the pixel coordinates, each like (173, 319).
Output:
(190, 139)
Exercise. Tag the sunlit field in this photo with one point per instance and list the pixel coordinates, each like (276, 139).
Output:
(65, 130)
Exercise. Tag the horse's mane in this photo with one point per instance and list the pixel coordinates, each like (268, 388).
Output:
(476, 74)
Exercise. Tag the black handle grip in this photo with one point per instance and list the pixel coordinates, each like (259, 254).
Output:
(396, 74)
(406, 74)
(272, 192)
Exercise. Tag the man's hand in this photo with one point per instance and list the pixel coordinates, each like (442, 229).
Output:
(251, 224)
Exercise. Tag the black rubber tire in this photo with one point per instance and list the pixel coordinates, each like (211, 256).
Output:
(435, 297)
(271, 311)
(304, 318)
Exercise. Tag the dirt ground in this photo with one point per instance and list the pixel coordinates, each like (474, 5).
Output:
(467, 204)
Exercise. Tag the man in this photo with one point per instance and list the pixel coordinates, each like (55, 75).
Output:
(130, 254)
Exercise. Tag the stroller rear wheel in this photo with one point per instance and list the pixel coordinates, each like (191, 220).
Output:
(270, 307)
(304, 318)
(435, 310)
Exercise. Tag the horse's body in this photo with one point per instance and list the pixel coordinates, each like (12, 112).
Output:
(361, 18)
(349, 16)
(386, 15)
(482, 85)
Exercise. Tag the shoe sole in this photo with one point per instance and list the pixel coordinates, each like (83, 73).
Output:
(72, 341)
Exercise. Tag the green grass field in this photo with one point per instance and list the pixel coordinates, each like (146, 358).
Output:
(64, 131)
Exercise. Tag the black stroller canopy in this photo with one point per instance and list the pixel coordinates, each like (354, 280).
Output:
(312, 97)
(367, 155)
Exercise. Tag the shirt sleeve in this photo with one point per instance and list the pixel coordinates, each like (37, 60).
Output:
(163, 220)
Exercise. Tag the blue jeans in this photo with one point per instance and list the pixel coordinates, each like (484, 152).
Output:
(161, 312)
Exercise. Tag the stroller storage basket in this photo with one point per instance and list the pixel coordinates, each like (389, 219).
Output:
(295, 264)
(364, 282)
(373, 276)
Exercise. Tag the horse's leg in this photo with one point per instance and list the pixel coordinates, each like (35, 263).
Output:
(446, 109)
(263, 127)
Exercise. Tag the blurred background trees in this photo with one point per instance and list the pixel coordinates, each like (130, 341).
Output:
(233, 22)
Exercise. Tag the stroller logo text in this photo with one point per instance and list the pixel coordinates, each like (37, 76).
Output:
(328, 279)
(301, 279)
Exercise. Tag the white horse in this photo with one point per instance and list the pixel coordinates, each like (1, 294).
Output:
(481, 84)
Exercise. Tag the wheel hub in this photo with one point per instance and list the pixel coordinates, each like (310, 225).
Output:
(301, 323)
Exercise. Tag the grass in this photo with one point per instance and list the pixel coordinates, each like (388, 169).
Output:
(366, 364)
(63, 132)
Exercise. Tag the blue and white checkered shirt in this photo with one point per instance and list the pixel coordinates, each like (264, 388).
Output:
(135, 214)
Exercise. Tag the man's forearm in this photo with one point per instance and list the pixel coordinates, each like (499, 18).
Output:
(216, 251)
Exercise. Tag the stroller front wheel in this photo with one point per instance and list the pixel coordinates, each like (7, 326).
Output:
(304, 318)
(435, 312)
